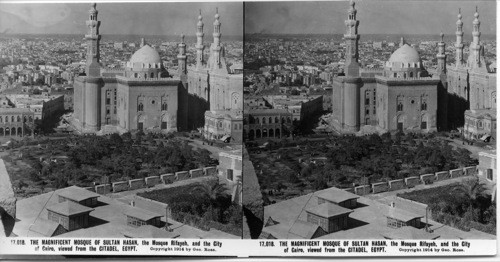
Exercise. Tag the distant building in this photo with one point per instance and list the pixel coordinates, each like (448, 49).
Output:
(226, 125)
(16, 122)
(487, 171)
(230, 173)
(480, 124)
(266, 123)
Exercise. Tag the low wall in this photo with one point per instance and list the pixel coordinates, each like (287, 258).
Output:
(442, 175)
(210, 171)
(412, 181)
(167, 178)
(136, 183)
(380, 187)
(120, 186)
(91, 188)
(103, 189)
(182, 175)
(362, 190)
(152, 180)
(456, 173)
(428, 178)
(350, 190)
(396, 184)
(196, 173)
(469, 171)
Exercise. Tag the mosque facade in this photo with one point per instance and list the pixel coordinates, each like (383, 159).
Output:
(145, 96)
(403, 95)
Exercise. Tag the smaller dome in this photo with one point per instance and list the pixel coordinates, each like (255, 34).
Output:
(405, 54)
(145, 55)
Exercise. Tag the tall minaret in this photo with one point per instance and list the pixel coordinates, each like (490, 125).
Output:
(459, 45)
(216, 47)
(351, 37)
(199, 42)
(181, 57)
(93, 38)
(441, 57)
(475, 45)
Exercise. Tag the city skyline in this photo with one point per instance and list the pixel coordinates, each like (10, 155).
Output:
(161, 18)
(375, 17)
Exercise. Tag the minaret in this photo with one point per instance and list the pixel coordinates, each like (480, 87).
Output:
(216, 47)
(351, 37)
(93, 38)
(143, 42)
(199, 42)
(402, 42)
(475, 45)
(181, 57)
(441, 57)
(459, 45)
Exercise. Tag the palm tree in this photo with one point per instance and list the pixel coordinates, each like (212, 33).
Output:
(213, 193)
(472, 188)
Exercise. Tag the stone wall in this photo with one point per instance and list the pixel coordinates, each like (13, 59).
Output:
(120, 186)
(362, 190)
(152, 180)
(196, 173)
(428, 178)
(167, 178)
(380, 187)
(442, 175)
(396, 184)
(456, 173)
(210, 171)
(136, 183)
(412, 181)
(183, 175)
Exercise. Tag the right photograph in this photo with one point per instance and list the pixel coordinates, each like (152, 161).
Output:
(370, 120)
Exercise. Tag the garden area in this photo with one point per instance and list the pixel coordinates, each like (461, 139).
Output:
(203, 206)
(40, 165)
(292, 168)
(462, 205)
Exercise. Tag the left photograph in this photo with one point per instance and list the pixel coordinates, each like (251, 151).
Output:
(121, 120)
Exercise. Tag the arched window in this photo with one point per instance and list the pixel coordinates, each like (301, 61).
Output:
(152, 75)
(276, 120)
(270, 120)
(1, 119)
(263, 120)
(140, 107)
(164, 106)
(411, 74)
(18, 118)
(12, 119)
(400, 106)
(257, 120)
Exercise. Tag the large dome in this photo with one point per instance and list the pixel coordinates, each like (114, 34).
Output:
(145, 55)
(405, 54)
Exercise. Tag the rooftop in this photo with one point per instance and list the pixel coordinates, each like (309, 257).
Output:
(77, 193)
(328, 210)
(405, 54)
(337, 196)
(409, 233)
(149, 231)
(145, 55)
(43, 228)
(140, 214)
(402, 215)
(69, 208)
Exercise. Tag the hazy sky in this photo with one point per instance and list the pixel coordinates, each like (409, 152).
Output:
(121, 18)
(376, 17)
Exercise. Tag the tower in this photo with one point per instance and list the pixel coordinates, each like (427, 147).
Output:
(216, 47)
(475, 45)
(181, 57)
(459, 46)
(199, 42)
(93, 38)
(442, 92)
(441, 57)
(143, 42)
(351, 37)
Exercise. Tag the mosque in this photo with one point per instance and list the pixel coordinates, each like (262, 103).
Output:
(145, 96)
(403, 95)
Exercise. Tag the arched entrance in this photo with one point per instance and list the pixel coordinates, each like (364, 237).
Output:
(251, 134)
(277, 133)
(19, 131)
(140, 122)
(271, 132)
(257, 134)
(264, 132)
(13, 131)
(423, 122)
(164, 122)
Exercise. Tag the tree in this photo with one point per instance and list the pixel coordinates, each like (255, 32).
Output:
(472, 188)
